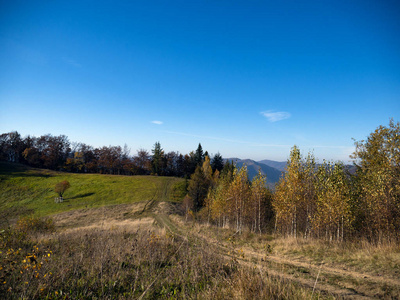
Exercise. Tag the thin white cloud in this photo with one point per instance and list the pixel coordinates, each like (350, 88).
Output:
(275, 116)
(157, 122)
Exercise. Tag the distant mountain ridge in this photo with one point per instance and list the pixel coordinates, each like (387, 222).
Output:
(280, 165)
(273, 174)
(271, 168)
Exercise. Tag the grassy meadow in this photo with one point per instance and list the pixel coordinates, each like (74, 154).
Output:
(25, 190)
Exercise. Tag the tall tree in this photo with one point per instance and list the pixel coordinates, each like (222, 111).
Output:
(289, 194)
(54, 150)
(11, 146)
(239, 194)
(333, 215)
(32, 156)
(109, 160)
(209, 180)
(199, 155)
(220, 201)
(173, 164)
(207, 170)
(180, 165)
(228, 169)
(89, 158)
(142, 162)
(198, 187)
(189, 164)
(258, 197)
(309, 193)
(157, 159)
(378, 167)
(217, 162)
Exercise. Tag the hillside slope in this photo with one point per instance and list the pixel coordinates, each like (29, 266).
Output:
(272, 174)
(28, 190)
(279, 165)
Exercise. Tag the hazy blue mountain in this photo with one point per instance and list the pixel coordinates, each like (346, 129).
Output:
(273, 169)
(272, 174)
(280, 165)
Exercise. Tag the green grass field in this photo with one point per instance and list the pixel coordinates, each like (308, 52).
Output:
(25, 190)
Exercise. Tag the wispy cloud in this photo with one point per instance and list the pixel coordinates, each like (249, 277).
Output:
(275, 116)
(157, 122)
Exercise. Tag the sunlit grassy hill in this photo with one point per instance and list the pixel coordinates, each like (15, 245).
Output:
(26, 190)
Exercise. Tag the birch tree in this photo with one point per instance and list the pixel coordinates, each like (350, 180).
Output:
(258, 197)
(378, 167)
(333, 216)
(239, 194)
(288, 195)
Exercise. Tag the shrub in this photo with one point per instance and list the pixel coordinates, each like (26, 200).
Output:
(31, 224)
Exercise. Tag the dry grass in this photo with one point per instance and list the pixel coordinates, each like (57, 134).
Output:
(127, 262)
(361, 256)
(352, 270)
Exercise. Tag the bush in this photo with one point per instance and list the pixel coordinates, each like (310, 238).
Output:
(31, 224)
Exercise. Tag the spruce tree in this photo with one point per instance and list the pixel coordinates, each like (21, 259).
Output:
(199, 155)
(217, 162)
(157, 159)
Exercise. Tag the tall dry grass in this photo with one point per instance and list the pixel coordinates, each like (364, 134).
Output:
(119, 264)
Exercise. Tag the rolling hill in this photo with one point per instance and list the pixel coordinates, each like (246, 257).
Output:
(279, 165)
(272, 174)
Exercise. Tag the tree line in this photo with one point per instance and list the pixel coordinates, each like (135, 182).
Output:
(58, 153)
(322, 201)
(325, 201)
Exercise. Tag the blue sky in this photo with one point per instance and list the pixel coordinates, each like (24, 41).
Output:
(246, 78)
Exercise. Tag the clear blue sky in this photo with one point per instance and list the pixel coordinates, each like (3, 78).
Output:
(246, 78)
